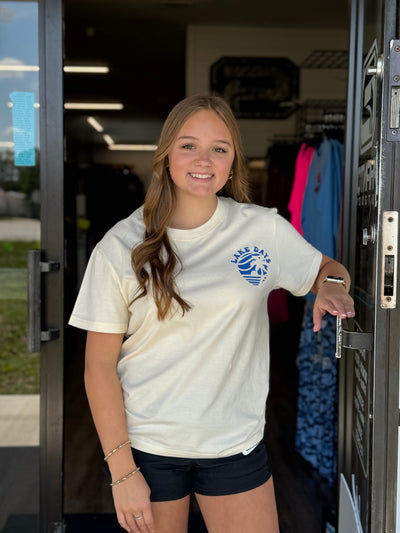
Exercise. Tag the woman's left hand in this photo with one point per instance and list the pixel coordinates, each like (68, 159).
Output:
(334, 299)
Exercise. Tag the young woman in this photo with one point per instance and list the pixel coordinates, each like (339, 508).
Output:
(177, 360)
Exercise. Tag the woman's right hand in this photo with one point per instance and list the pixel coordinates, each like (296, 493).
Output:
(132, 499)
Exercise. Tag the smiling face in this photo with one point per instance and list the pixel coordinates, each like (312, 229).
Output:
(201, 157)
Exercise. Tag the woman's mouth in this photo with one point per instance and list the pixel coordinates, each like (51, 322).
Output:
(200, 176)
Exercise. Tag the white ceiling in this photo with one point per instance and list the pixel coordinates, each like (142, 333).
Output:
(143, 42)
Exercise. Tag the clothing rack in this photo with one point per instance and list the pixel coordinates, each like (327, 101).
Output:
(316, 117)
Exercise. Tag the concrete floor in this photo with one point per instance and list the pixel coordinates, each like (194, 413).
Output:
(19, 463)
(19, 420)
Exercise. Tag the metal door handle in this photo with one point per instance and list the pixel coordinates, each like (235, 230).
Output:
(376, 70)
(353, 340)
(35, 268)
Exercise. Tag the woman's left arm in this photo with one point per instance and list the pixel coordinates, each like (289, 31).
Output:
(331, 297)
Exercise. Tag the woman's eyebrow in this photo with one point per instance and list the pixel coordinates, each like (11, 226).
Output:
(196, 139)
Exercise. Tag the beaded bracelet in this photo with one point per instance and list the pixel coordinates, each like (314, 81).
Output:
(106, 458)
(118, 481)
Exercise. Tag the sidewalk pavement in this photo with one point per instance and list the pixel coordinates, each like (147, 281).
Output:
(19, 420)
(19, 229)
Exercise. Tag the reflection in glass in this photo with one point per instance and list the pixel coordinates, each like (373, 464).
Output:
(19, 232)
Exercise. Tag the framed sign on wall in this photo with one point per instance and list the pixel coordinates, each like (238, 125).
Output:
(256, 87)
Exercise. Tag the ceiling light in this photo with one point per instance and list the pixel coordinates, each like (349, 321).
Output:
(19, 68)
(96, 125)
(109, 140)
(86, 69)
(133, 147)
(92, 105)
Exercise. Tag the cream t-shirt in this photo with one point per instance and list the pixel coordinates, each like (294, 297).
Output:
(196, 385)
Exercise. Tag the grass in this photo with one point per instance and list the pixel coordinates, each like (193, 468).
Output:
(13, 254)
(19, 369)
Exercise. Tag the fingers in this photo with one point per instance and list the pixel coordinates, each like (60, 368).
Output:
(317, 318)
(133, 506)
(137, 523)
(148, 520)
(335, 304)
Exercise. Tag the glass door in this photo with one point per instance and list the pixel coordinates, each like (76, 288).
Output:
(19, 232)
(31, 292)
(369, 381)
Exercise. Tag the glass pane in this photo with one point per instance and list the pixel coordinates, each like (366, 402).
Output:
(19, 232)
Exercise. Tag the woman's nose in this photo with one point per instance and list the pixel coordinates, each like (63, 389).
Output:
(203, 156)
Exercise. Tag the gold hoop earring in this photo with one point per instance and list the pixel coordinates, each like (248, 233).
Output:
(230, 176)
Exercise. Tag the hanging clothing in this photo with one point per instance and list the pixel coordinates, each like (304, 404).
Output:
(295, 205)
(322, 197)
(316, 435)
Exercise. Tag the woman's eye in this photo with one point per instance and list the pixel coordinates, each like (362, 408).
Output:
(220, 150)
(188, 146)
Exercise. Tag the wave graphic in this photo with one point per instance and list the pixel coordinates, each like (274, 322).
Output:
(253, 267)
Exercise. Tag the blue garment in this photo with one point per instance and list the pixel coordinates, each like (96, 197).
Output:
(322, 197)
(316, 434)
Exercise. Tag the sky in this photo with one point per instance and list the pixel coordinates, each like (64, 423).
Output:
(18, 45)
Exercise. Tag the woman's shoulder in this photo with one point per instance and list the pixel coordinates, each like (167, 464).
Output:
(249, 209)
(125, 234)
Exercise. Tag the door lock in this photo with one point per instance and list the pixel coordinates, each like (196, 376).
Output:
(389, 259)
(393, 119)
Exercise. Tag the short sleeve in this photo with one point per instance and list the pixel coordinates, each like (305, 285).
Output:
(298, 260)
(101, 305)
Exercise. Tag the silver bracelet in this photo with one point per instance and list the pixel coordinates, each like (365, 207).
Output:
(118, 481)
(106, 458)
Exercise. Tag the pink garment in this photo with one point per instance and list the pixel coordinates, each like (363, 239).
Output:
(295, 205)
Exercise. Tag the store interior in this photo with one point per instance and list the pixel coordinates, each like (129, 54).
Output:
(283, 67)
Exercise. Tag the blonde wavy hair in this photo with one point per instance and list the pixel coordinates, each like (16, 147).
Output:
(154, 260)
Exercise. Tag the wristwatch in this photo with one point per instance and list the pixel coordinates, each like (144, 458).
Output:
(335, 279)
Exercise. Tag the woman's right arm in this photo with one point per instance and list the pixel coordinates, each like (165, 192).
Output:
(131, 497)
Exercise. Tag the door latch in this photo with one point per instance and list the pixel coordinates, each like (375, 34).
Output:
(389, 259)
(393, 122)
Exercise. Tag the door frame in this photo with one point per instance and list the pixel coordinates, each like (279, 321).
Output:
(52, 245)
(382, 492)
(352, 141)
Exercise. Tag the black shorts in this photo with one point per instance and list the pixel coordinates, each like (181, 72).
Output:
(172, 478)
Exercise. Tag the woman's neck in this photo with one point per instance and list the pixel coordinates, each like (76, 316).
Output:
(192, 214)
